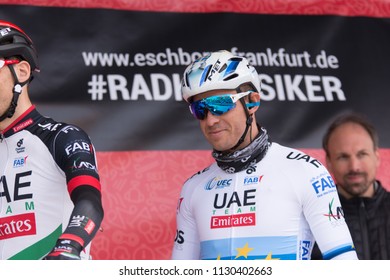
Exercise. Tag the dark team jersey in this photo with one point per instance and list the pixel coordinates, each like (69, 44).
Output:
(42, 162)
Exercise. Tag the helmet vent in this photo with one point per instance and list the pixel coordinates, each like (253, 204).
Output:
(230, 77)
(223, 68)
(205, 74)
(187, 81)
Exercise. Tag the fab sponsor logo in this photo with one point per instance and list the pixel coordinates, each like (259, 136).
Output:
(20, 162)
(78, 146)
(305, 249)
(323, 184)
(249, 180)
(17, 225)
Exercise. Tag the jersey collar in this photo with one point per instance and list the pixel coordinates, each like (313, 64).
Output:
(23, 121)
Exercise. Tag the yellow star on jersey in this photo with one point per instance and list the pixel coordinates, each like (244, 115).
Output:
(269, 257)
(243, 252)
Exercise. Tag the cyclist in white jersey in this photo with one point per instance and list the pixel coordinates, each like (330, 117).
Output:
(50, 193)
(259, 200)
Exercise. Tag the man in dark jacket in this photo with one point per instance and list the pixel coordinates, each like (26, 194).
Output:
(352, 156)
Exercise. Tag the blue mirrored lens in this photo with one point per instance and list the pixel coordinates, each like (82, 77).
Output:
(216, 105)
(198, 109)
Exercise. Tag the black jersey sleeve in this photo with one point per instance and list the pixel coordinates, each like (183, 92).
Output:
(75, 155)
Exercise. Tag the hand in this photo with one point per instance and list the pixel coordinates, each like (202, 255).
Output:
(65, 249)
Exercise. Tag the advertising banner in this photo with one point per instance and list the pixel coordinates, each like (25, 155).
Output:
(117, 74)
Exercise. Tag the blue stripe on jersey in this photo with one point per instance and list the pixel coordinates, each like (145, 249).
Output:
(250, 248)
(338, 251)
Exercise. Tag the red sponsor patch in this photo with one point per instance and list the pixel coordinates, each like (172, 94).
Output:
(22, 125)
(18, 225)
(238, 220)
(89, 227)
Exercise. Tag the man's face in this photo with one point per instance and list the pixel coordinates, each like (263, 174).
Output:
(352, 160)
(223, 132)
(6, 84)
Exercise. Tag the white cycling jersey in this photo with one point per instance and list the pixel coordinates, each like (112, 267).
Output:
(273, 210)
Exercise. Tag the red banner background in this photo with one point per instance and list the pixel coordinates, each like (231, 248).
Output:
(140, 196)
(372, 8)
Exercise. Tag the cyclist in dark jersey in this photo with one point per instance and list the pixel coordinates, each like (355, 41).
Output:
(50, 192)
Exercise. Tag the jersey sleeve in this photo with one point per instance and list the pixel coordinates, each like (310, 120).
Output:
(324, 214)
(186, 245)
(75, 155)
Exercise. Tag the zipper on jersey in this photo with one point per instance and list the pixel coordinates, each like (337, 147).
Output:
(365, 231)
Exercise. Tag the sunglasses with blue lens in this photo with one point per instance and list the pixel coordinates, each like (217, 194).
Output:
(218, 104)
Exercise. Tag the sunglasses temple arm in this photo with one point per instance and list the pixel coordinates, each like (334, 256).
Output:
(252, 104)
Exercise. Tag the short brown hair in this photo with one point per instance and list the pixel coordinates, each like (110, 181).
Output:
(350, 118)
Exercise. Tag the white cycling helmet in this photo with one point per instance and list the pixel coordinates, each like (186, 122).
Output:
(218, 70)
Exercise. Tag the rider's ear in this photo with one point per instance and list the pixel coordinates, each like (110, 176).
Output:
(254, 97)
(23, 71)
